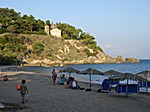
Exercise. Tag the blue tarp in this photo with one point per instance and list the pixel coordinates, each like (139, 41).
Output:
(124, 88)
(143, 84)
(112, 82)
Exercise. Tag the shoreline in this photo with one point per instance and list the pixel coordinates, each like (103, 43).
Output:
(63, 64)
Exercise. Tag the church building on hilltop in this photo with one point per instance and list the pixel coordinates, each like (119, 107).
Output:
(47, 29)
(54, 30)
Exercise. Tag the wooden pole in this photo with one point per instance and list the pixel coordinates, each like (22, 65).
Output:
(127, 88)
(90, 81)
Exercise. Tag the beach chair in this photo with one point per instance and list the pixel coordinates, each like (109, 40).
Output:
(112, 82)
(105, 87)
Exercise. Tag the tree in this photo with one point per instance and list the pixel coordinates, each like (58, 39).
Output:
(11, 21)
(40, 25)
(47, 22)
(37, 48)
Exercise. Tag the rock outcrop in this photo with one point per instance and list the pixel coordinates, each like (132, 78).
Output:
(119, 59)
(131, 60)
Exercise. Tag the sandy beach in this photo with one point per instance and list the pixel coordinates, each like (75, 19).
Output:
(46, 97)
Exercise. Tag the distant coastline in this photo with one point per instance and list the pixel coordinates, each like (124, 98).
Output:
(144, 59)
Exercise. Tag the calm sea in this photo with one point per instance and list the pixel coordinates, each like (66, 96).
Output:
(124, 67)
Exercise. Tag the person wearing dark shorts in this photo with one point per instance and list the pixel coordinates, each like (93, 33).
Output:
(23, 90)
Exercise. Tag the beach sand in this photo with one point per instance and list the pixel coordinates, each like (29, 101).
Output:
(46, 97)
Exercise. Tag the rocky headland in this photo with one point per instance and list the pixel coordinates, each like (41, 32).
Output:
(58, 51)
(46, 50)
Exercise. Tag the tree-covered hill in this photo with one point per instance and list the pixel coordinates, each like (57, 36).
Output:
(13, 46)
(16, 48)
(22, 39)
(13, 22)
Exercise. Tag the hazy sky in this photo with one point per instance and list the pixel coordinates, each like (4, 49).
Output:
(121, 27)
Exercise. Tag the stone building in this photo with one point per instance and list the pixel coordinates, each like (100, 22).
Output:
(47, 29)
(53, 26)
(55, 32)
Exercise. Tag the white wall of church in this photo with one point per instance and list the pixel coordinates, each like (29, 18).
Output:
(56, 32)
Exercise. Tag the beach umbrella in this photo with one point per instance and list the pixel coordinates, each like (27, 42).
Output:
(91, 71)
(145, 74)
(127, 76)
(69, 70)
(112, 73)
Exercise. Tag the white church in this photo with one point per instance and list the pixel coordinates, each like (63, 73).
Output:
(54, 31)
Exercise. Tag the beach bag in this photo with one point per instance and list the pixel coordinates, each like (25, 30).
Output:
(27, 97)
(65, 83)
(74, 84)
(99, 90)
(18, 87)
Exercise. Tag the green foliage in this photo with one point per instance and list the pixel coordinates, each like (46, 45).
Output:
(86, 36)
(99, 48)
(65, 36)
(88, 41)
(68, 31)
(65, 59)
(11, 21)
(88, 53)
(49, 55)
(2, 30)
(1, 46)
(37, 48)
(47, 22)
(7, 60)
(12, 48)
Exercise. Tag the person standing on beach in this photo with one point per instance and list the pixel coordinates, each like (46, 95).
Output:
(54, 76)
(23, 90)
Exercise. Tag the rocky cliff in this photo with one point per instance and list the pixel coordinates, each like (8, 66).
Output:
(58, 51)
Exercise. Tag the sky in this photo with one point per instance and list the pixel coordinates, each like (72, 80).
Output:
(120, 27)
